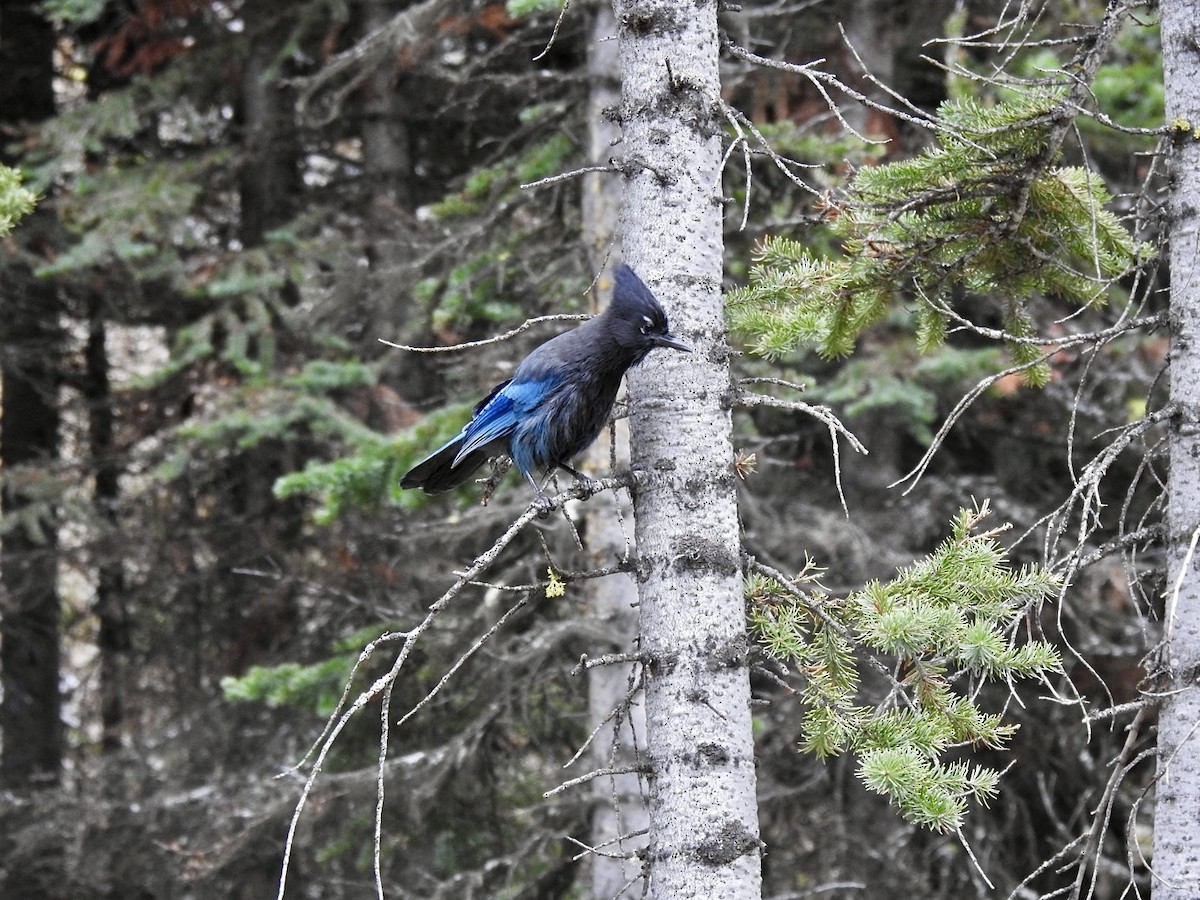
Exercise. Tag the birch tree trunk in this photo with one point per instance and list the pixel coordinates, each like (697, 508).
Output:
(620, 807)
(703, 819)
(1176, 838)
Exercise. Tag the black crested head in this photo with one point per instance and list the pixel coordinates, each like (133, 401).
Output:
(636, 319)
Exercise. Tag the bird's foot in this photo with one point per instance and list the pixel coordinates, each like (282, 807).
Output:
(543, 504)
(588, 485)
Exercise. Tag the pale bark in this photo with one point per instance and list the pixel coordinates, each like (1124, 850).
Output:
(1176, 862)
(704, 831)
(621, 817)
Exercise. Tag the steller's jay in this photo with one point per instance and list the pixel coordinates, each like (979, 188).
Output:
(559, 398)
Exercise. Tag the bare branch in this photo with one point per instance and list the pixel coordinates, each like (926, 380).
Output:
(588, 848)
(1102, 814)
(508, 335)
(566, 176)
(608, 659)
(562, 14)
(820, 79)
(382, 685)
(780, 382)
(822, 413)
(592, 776)
(741, 141)
(462, 659)
(619, 711)
(781, 163)
(914, 475)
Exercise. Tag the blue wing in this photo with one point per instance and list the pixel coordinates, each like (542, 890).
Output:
(499, 415)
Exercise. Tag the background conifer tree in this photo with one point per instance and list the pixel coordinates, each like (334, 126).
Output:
(221, 483)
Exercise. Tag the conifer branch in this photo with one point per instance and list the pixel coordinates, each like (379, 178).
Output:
(344, 73)
(1062, 115)
(949, 616)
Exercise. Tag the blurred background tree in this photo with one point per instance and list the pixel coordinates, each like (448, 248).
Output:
(202, 436)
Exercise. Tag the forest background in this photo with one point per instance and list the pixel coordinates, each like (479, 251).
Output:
(202, 438)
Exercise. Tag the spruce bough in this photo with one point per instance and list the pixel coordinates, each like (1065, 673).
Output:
(938, 631)
(985, 210)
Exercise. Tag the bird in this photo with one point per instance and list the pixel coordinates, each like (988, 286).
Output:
(558, 399)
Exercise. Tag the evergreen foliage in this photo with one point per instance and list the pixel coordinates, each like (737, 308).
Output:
(983, 211)
(946, 626)
(15, 200)
(370, 475)
(522, 8)
(76, 12)
(901, 381)
(316, 686)
(500, 182)
(479, 282)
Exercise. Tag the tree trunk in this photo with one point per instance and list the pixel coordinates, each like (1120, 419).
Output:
(620, 811)
(704, 839)
(112, 638)
(1176, 849)
(387, 162)
(30, 721)
(268, 182)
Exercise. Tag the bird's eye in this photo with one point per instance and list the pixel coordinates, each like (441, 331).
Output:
(647, 325)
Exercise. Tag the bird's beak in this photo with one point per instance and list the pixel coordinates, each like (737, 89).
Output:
(669, 340)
